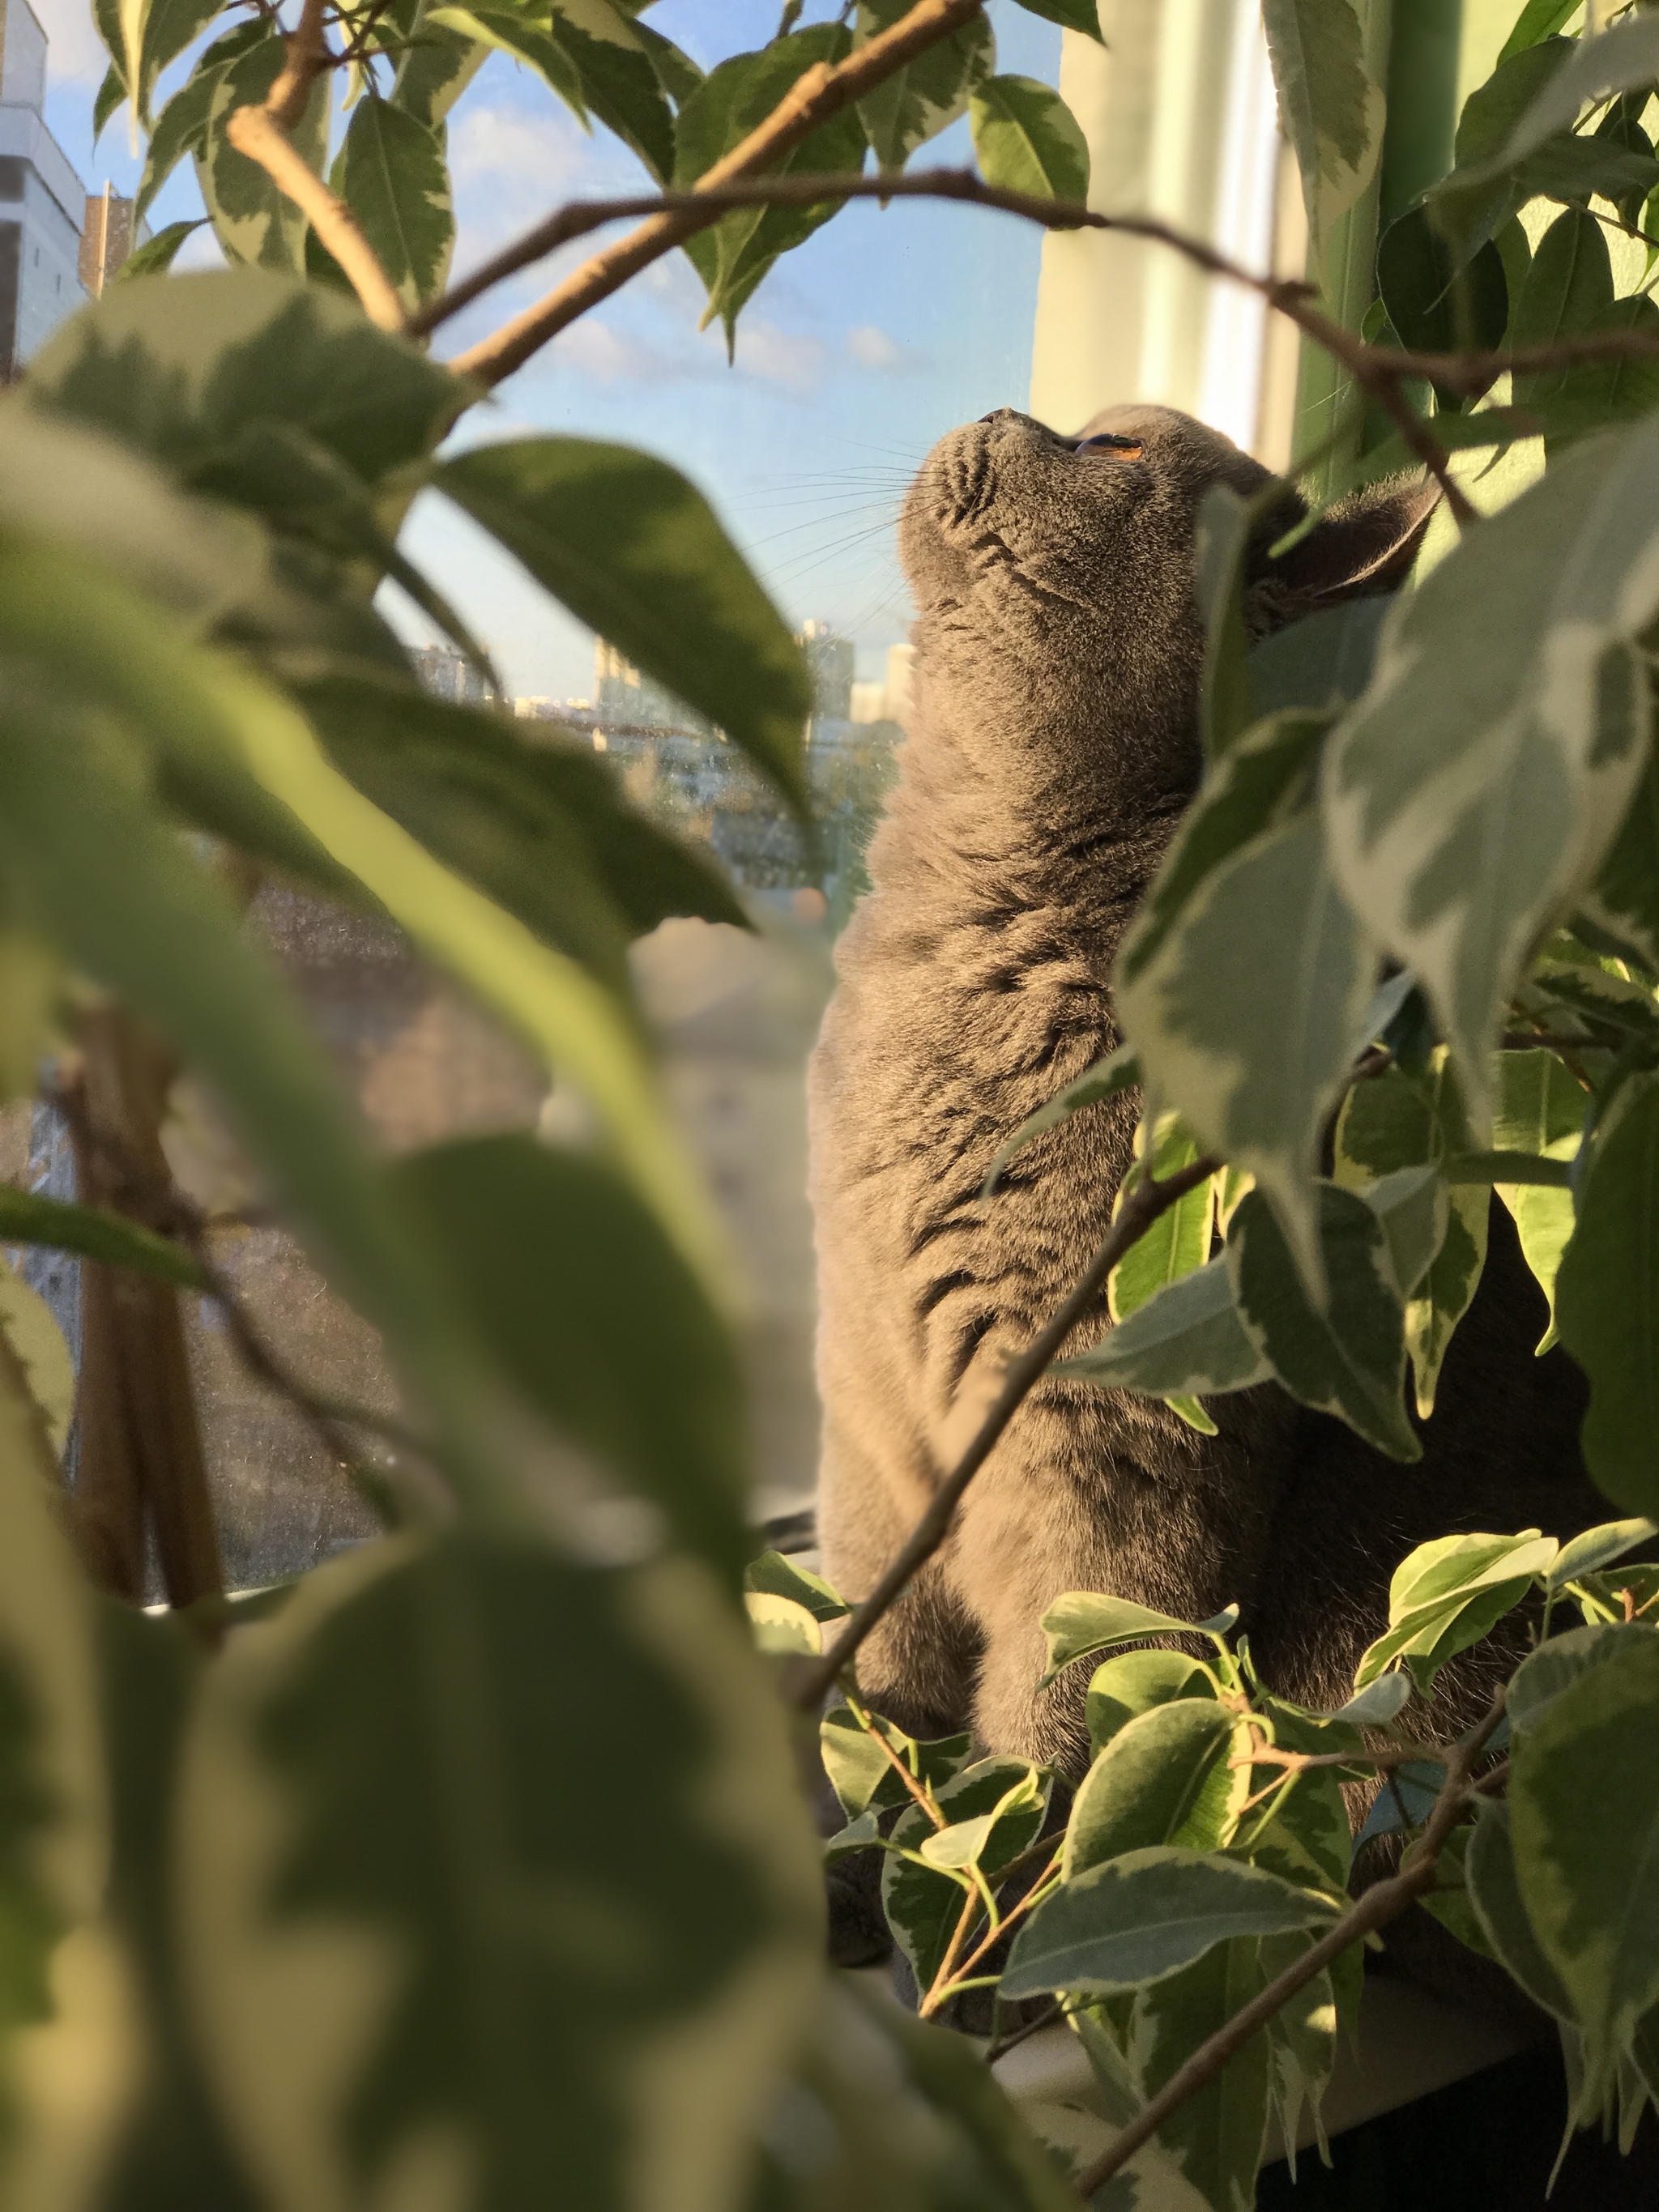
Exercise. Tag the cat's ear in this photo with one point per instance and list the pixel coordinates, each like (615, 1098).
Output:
(1363, 545)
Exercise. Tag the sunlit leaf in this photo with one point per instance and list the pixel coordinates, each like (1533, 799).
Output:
(378, 1822)
(1135, 1682)
(253, 219)
(587, 1304)
(923, 1903)
(1082, 1621)
(929, 93)
(1164, 1778)
(393, 175)
(1611, 1331)
(1028, 140)
(1147, 1915)
(1464, 814)
(1587, 1884)
(1331, 106)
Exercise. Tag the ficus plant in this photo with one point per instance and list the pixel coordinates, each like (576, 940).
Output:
(473, 1868)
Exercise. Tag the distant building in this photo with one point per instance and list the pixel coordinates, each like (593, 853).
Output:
(829, 657)
(107, 238)
(888, 700)
(41, 199)
(622, 696)
(448, 674)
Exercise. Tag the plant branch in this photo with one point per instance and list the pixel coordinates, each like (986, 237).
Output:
(1137, 1214)
(919, 1790)
(256, 133)
(820, 93)
(1380, 1905)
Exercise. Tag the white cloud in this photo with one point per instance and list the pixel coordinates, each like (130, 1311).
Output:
(509, 167)
(612, 357)
(790, 358)
(872, 349)
(76, 55)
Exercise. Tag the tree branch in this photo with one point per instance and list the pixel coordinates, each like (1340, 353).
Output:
(820, 93)
(1384, 1902)
(256, 132)
(1140, 1210)
(672, 216)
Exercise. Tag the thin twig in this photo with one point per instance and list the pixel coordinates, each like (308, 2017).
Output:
(818, 94)
(922, 1795)
(1001, 2046)
(1385, 1902)
(1140, 1210)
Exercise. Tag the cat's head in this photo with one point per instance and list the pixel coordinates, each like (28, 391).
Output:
(1061, 569)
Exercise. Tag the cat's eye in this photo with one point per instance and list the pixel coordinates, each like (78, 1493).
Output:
(1111, 442)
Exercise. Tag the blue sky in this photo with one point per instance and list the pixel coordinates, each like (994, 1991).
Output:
(857, 352)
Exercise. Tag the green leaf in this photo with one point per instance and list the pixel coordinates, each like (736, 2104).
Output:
(155, 256)
(781, 1629)
(1349, 1358)
(394, 1771)
(254, 221)
(906, 2117)
(619, 78)
(436, 67)
(1621, 58)
(1164, 1778)
(1621, 1592)
(1322, 662)
(732, 255)
(27, 1217)
(1028, 140)
(168, 26)
(1392, 1123)
(1606, 1317)
(862, 1775)
(1447, 1594)
(173, 2146)
(1118, 1071)
(1494, 1891)
(180, 370)
(1178, 1242)
(109, 96)
(45, 1364)
(597, 1319)
(1597, 1547)
(1244, 1015)
(1082, 1621)
(1332, 108)
(1072, 15)
(1472, 794)
(1623, 900)
(923, 1903)
(1141, 1918)
(1378, 1704)
(1567, 287)
(1588, 1883)
(1556, 1665)
(1435, 304)
(1135, 1682)
(1188, 1342)
(1262, 780)
(928, 93)
(1539, 1110)
(53, 1834)
(1212, 2144)
(181, 127)
(1539, 19)
(783, 1577)
(632, 549)
(393, 177)
(541, 828)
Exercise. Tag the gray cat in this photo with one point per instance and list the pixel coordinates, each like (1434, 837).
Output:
(1053, 744)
